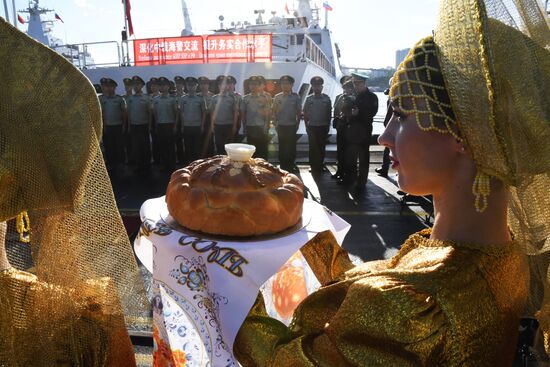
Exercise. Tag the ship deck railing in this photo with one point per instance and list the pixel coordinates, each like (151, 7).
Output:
(114, 54)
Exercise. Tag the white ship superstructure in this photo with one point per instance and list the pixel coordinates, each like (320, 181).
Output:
(299, 47)
(40, 28)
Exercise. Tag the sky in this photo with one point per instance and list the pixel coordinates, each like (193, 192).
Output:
(368, 31)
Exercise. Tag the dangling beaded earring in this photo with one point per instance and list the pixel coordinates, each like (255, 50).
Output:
(23, 226)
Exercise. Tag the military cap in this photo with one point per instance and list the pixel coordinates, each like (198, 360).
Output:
(287, 78)
(191, 80)
(203, 79)
(103, 81)
(360, 74)
(316, 80)
(127, 81)
(154, 80)
(111, 81)
(254, 79)
(344, 79)
(179, 79)
(163, 81)
(137, 79)
(231, 79)
(221, 78)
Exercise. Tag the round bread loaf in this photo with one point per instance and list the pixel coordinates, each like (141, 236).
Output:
(233, 198)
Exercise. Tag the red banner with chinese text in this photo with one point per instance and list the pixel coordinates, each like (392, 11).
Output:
(238, 48)
(199, 49)
(173, 50)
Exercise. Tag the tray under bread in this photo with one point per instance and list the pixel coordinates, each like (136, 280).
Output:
(302, 223)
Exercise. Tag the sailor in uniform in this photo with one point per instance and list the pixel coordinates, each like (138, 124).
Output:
(127, 141)
(192, 115)
(317, 116)
(180, 92)
(165, 109)
(224, 108)
(207, 138)
(139, 123)
(255, 114)
(153, 91)
(287, 111)
(231, 85)
(128, 87)
(113, 110)
(338, 123)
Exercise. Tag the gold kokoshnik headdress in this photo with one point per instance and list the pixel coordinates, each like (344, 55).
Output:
(68, 294)
(494, 58)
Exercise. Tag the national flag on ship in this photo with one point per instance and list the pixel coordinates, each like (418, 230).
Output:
(327, 6)
(128, 8)
(286, 8)
(58, 18)
(20, 19)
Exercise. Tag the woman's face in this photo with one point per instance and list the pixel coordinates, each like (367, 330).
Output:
(426, 161)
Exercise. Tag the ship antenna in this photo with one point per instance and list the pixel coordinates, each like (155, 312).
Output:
(188, 30)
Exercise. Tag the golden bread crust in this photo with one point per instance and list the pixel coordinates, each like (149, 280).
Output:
(225, 197)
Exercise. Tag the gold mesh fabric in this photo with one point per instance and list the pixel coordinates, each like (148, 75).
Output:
(68, 293)
(417, 88)
(495, 58)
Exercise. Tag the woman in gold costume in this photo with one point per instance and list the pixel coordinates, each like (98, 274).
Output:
(67, 294)
(471, 128)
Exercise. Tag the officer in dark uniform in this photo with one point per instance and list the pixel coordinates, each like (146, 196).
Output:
(317, 116)
(207, 138)
(139, 122)
(113, 110)
(287, 110)
(255, 114)
(359, 132)
(224, 108)
(180, 92)
(154, 93)
(339, 124)
(192, 115)
(165, 109)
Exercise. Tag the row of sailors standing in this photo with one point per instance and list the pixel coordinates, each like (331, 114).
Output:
(199, 116)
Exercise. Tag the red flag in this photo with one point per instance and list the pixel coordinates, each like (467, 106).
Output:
(20, 19)
(286, 8)
(129, 17)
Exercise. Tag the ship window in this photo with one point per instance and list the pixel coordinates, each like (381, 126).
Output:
(316, 37)
(299, 39)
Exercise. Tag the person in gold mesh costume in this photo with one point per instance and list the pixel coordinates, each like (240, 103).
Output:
(68, 294)
(471, 126)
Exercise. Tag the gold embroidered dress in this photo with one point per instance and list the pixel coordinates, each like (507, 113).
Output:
(434, 303)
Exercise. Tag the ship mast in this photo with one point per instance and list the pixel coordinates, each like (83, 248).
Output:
(304, 10)
(188, 30)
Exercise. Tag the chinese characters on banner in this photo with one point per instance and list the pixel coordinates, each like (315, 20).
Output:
(199, 49)
(173, 50)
